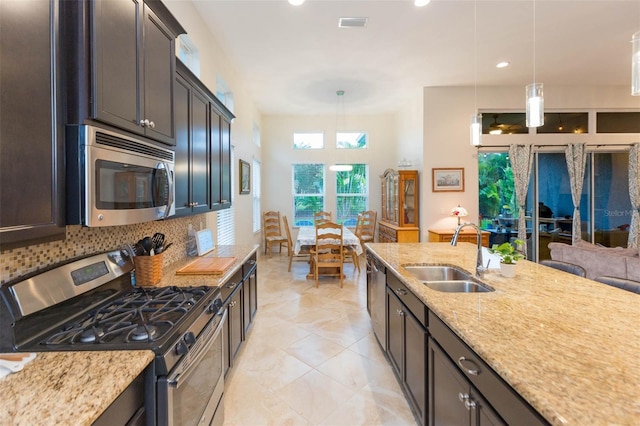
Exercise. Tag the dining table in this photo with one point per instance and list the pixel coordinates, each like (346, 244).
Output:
(307, 238)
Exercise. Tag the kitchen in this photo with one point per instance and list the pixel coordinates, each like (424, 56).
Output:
(82, 241)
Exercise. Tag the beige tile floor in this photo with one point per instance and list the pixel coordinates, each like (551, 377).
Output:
(311, 357)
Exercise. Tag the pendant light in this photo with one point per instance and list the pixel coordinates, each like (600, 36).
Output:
(534, 93)
(340, 113)
(635, 64)
(475, 129)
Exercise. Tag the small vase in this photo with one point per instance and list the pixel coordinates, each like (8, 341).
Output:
(508, 270)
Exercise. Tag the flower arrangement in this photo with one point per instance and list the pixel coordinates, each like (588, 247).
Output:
(459, 212)
(507, 252)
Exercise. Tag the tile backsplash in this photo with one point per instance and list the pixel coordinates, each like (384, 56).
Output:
(81, 241)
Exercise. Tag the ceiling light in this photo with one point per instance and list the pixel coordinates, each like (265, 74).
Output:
(340, 114)
(296, 2)
(533, 92)
(421, 3)
(503, 64)
(352, 22)
(635, 64)
(475, 128)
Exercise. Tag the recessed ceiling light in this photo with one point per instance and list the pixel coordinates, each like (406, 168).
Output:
(420, 3)
(502, 64)
(296, 2)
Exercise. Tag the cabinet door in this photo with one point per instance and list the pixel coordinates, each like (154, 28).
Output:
(253, 299)
(216, 159)
(199, 169)
(395, 333)
(225, 163)
(484, 414)
(409, 202)
(31, 143)
(446, 385)
(235, 324)
(182, 105)
(416, 364)
(116, 80)
(159, 71)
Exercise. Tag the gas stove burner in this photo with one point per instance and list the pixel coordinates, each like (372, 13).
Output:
(142, 332)
(91, 335)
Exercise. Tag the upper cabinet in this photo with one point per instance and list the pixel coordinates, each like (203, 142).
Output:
(399, 219)
(128, 78)
(31, 131)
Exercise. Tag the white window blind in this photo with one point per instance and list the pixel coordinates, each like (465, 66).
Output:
(226, 227)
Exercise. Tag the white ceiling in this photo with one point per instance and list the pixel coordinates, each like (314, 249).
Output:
(294, 59)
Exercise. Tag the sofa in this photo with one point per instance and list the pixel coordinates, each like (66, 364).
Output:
(599, 261)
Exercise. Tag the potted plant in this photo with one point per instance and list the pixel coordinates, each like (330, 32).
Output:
(509, 255)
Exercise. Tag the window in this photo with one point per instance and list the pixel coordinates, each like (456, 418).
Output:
(257, 219)
(505, 123)
(224, 93)
(564, 122)
(352, 190)
(189, 54)
(308, 192)
(618, 122)
(308, 140)
(225, 219)
(256, 134)
(353, 140)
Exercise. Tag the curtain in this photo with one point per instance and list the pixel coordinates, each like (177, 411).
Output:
(521, 158)
(634, 195)
(576, 157)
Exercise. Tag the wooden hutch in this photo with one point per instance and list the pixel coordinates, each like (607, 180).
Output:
(400, 215)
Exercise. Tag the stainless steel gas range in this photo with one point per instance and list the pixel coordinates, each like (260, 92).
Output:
(90, 305)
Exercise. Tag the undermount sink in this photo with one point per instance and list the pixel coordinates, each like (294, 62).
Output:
(448, 279)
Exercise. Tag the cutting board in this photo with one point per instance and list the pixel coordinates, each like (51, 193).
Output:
(207, 265)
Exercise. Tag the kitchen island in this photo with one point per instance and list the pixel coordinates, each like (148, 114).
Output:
(567, 345)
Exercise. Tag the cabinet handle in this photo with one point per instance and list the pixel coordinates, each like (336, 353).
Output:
(232, 285)
(400, 312)
(223, 201)
(151, 124)
(468, 402)
(232, 304)
(474, 372)
(401, 291)
(144, 123)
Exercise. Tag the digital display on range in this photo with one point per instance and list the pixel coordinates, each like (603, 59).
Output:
(88, 273)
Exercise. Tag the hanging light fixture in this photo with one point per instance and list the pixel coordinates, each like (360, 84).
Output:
(635, 64)
(340, 113)
(475, 129)
(534, 93)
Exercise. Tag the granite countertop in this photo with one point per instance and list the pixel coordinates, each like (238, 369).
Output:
(241, 252)
(567, 345)
(68, 388)
(74, 388)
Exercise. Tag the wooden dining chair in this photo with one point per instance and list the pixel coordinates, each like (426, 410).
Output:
(328, 251)
(368, 227)
(349, 252)
(319, 217)
(304, 253)
(272, 233)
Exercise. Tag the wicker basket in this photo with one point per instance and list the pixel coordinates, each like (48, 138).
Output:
(148, 269)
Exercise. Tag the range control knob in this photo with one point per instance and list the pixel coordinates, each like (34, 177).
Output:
(189, 338)
(181, 348)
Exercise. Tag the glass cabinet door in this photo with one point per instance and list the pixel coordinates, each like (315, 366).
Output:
(409, 200)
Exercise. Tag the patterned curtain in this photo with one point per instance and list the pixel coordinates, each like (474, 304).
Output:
(521, 158)
(634, 195)
(576, 157)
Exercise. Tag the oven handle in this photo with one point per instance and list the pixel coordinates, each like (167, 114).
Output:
(184, 369)
(170, 182)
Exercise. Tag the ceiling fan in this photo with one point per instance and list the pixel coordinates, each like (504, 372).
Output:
(497, 128)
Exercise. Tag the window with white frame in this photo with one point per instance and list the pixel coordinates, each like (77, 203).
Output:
(308, 140)
(351, 140)
(352, 193)
(225, 222)
(224, 93)
(189, 54)
(308, 192)
(257, 219)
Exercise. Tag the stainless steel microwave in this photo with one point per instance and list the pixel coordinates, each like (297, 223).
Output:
(114, 179)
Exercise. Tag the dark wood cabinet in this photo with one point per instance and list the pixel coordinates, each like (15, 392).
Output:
(454, 401)
(220, 157)
(31, 131)
(122, 65)
(234, 327)
(192, 149)
(406, 348)
(250, 296)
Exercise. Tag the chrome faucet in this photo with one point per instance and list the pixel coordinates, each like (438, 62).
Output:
(480, 269)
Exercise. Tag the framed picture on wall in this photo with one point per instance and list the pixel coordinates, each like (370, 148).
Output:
(448, 180)
(245, 177)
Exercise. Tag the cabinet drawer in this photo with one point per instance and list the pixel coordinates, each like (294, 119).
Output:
(386, 235)
(415, 305)
(510, 406)
(249, 265)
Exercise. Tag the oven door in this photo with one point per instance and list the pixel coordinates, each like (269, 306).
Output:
(191, 394)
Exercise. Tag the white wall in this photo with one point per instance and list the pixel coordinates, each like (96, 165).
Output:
(213, 62)
(278, 155)
(447, 114)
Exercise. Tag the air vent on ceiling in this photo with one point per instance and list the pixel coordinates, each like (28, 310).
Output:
(352, 22)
